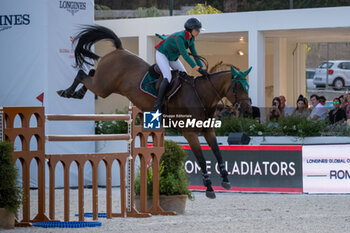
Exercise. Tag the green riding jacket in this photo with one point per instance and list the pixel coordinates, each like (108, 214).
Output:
(177, 44)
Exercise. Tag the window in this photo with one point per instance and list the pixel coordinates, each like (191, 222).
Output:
(310, 74)
(324, 65)
(344, 65)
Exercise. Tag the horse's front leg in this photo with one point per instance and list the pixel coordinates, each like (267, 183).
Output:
(193, 141)
(210, 137)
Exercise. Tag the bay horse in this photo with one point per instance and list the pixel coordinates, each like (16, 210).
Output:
(121, 72)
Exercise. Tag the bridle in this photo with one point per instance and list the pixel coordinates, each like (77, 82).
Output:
(235, 80)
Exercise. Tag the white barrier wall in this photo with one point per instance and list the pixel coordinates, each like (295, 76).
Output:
(326, 169)
(37, 57)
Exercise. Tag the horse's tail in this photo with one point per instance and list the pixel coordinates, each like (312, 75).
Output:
(87, 37)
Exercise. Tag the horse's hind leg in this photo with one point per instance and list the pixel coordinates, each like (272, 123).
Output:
(210, 137)
(193, 141)
(69, 92)
(79, 94)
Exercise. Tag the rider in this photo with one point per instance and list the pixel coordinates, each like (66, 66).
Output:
(169, 51)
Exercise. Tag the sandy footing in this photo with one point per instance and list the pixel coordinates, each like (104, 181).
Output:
(229, 212)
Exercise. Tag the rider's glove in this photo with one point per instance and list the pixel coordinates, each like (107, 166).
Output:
(203, 72)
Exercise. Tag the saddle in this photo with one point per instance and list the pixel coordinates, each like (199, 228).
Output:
(176, 81)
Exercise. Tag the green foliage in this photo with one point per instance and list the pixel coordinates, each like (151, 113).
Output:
(337, 130)
(113, 127)
(297, 126)
(101, 7)
(253, 5)
(300, 126)
(247, 125)
(202, 9)
(10, 194)
(173, 177)
(172, 132)
(143, 12)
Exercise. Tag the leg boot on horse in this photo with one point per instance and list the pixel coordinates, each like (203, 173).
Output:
(210, 137)
(192, 138)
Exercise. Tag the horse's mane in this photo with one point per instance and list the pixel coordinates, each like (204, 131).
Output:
(213, 74)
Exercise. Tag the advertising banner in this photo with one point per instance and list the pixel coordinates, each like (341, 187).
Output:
(251, 168)
(326, 169)
(37, 59)
(65, 19)
(23, 58)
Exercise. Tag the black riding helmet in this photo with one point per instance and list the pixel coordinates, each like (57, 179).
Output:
(192, 24)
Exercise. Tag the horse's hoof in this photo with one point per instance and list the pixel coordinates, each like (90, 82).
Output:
(77, 95)
(226, 185)
(210, 194)
(64, 93)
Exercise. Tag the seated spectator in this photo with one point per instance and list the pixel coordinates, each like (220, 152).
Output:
(319, 112)
(346, 105)
(322, 100)
(276, 111)
(337, 115)
(253, 112)
(287, 110)
(301, 109)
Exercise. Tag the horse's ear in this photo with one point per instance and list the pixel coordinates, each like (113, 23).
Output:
(245, 73)
(234, 72)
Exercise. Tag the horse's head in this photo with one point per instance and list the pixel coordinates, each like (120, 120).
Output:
(238, 94)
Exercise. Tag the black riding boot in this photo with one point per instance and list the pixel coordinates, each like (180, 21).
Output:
(161, 92)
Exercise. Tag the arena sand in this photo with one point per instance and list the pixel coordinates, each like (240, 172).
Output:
(229, 212)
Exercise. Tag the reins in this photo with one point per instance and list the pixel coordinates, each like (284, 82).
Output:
(205, 61)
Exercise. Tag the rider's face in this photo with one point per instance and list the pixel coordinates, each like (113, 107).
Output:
(195, 32)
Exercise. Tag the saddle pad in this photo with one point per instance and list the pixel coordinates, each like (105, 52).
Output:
(148, 86)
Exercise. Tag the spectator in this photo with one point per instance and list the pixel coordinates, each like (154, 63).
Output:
(337, 115)
(346, 105)
(276, 111)
(319, 112)
(301, 109)
(253, 112)
(323, 100)
(288, 110)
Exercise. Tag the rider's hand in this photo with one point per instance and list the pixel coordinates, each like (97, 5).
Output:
(203, 72)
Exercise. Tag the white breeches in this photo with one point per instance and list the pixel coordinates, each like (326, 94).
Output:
(164, 65)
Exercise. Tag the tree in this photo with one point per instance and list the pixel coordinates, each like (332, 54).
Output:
(230, 5)
(202, 9)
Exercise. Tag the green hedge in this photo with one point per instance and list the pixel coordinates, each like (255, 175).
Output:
(297, 126)
(10, 194)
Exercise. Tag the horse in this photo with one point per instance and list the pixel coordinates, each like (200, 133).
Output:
(121, 72)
